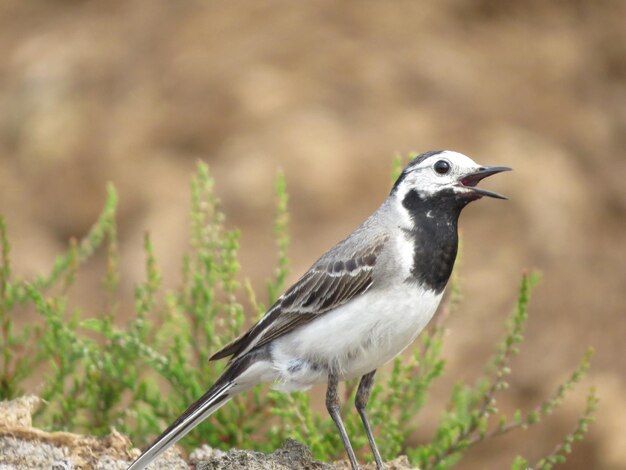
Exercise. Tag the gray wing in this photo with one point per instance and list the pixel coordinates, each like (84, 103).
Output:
(331, 282)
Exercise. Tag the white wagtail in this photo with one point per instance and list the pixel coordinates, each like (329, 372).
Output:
(360, 305)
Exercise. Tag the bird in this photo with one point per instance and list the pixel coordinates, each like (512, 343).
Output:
(359, 305)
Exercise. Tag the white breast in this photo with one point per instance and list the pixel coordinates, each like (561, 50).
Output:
(355, 338)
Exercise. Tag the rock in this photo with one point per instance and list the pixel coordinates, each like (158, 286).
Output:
(205, 452)
(18, 454)
(18, 412)
(24, 447)
(290, 456)
(400, 463)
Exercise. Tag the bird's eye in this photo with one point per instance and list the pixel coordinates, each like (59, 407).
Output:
(442, 167)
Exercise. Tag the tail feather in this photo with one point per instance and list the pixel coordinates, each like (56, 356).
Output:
(213, 399)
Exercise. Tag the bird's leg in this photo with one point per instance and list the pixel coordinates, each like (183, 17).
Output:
(362, 397)
(332, 405)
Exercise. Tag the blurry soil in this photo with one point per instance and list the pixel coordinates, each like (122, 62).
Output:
(136, 92)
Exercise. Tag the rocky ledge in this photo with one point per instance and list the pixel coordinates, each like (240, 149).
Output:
(24, 447)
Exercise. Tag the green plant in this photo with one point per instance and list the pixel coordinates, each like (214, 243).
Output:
(139, 376)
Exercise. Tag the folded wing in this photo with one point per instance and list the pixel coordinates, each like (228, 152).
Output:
(327, 285)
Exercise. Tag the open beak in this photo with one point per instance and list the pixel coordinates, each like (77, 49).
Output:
(471, 180)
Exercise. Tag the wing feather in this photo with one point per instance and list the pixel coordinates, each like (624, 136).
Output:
(325, 286)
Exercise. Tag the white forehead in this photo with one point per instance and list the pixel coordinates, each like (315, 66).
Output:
(457, 159)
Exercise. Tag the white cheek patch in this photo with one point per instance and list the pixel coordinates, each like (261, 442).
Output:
(406, 220)
(431, 188)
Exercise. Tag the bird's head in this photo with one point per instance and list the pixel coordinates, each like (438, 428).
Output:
(447, 175)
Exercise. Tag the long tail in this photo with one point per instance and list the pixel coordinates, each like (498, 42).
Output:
(214, 398)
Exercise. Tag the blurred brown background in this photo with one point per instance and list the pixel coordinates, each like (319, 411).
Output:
(136, 92)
